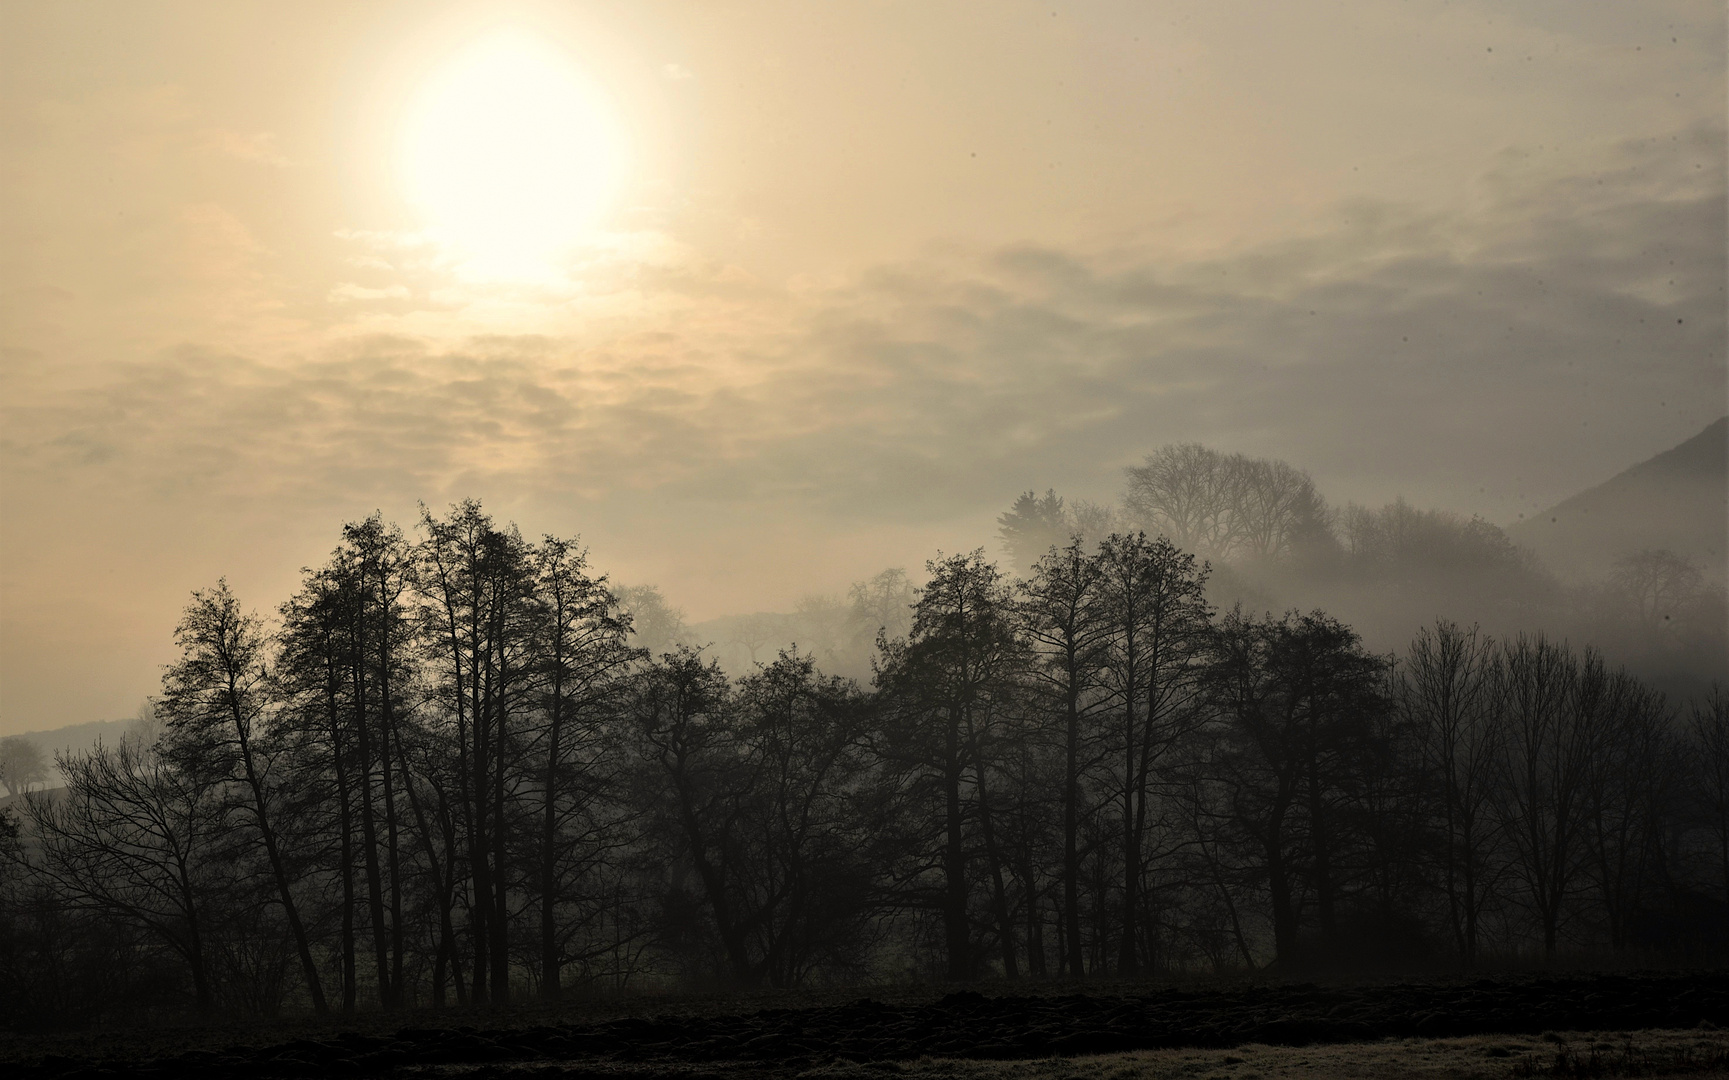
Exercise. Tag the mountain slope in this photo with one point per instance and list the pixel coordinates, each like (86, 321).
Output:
(1678, 500)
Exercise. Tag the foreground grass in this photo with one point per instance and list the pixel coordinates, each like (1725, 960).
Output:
(1692, 1053)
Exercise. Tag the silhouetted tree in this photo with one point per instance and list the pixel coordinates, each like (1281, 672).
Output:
(1448, 696)
(216, 701)
(581, 666)
(136, 839)
(1152, 599)
(1062, 615)
(1708, 745)
(1297, 697)
(1548, 704)
(947, 684)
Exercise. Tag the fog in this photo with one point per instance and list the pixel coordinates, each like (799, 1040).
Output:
(561, 501)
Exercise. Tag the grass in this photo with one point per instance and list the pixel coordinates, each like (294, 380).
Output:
(1656, 1054)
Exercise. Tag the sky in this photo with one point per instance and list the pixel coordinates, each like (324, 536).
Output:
(761, 298)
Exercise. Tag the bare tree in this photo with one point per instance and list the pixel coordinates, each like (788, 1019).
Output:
(583, 660)
(216, 700)
(1708, 744)
(946, 686)
(1548, 703)
(1448, 695)
(138, 839)
(21, 765)
(1061, 615)
(1152, 598)
(882, 607)
(1629, 790)
(1226, 506)
(1660, 587)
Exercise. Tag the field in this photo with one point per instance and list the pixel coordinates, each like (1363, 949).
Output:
(1570, 1025)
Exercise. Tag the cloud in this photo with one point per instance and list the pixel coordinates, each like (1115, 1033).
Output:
(348, 293)
(258, 147)
(676, 72)
(1486, 364)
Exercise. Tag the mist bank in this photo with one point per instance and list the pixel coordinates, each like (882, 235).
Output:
(1637, 571)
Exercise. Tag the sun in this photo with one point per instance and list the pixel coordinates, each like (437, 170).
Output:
(510, 157)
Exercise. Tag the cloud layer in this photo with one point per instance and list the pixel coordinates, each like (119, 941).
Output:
(1389, 351)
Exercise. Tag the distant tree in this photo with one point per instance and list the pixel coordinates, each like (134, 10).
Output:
(656, 626)
(21, 765)
(881, 607)
(1277, 512)
(821, 627)
(1032, 526)
(1186, 492)
(1227, 506)
(1399, 541)
(1091, 522)
(755, 633)
(1660, 587)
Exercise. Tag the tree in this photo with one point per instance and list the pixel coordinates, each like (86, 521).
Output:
(138, 839)
(655, 625)
(1061, 614)
(804, 834)
(314, 676)
(1547, 703)
(477, 603)
(1152, 599)
(1298, 697)
(1447, 694)
(1184, 491)
(948, 684)
(1227, 506)
(1033, 526)
(216, 701)
(21, 765)
(882, 607)
(583, 660)
(1660, 587)
(1627, 805)
(697, 786)
(1708, 744)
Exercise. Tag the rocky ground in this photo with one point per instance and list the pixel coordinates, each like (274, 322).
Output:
(969, 1034)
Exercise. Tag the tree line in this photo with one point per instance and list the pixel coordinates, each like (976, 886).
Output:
(447, 773)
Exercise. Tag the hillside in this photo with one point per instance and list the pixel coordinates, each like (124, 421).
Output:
(74, 737)
(1677, 500)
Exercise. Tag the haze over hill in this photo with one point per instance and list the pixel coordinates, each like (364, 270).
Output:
(1677, 500)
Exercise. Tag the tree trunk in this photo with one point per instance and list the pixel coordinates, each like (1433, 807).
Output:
(955, 930)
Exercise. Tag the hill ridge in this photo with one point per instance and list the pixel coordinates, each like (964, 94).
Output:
(1677, 499)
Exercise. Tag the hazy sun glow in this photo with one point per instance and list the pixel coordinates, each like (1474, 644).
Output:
(510, 156)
